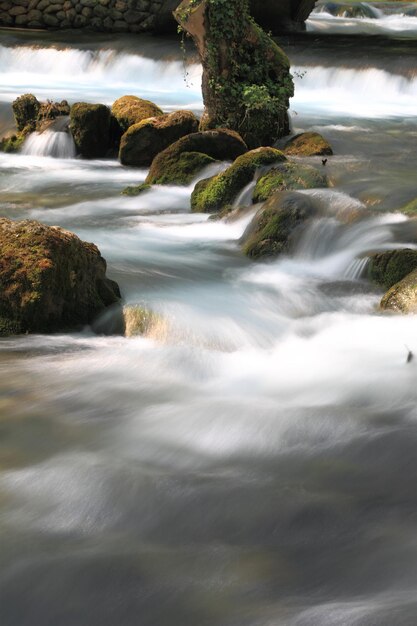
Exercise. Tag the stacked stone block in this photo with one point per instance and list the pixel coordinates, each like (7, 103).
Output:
(120, 16)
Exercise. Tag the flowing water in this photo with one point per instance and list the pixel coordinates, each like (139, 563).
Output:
(252, 460)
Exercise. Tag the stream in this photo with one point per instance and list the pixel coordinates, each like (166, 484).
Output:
(251, 461)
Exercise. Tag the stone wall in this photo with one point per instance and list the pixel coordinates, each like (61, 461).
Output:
(102, 15)
(135, 16)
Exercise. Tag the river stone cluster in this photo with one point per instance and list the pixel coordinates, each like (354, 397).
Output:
(122, 16)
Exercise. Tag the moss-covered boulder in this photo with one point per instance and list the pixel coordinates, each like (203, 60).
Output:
(90, 128)
(246, 80)
(180, 163)
(385, 269)
(26, 110)
(308, 144)
(129, 110)
(275, 225)
(143, 141)
(50, 280)
(402, 297)
(213, 194)
(288, 177)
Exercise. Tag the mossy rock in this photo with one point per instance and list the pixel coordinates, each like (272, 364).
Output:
(50, 280)
(288, 177)
(90, 128)
(135, 190)
(273, 228)
(385, 269)
(143, 141)
(308, 144)
(14, 142)
(402, 297)
(26, 110)
(129, 110)
(213, 194)
(218, 144)
(180, 170)
(410, 208)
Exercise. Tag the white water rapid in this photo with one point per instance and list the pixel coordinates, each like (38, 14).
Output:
(251, 459)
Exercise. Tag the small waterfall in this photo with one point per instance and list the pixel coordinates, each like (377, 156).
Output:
(336, 90)
(56, 141)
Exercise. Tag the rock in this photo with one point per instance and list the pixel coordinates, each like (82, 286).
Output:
(385, 269)
(246, 81)
(402, 297)
(26, 110)
(410, 208)
(13, 143)
(129, 110)
(275, 225)
(143, 141)
(135, 190)
(288, 177)
(215, 193)
(179, 169)
(308, 144)
(211, 145)
(50, 279)
(90, 128)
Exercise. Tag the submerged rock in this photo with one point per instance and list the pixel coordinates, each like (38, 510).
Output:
(288, 177)
(308, 144)
(273, 228)
(135, 190)
(180, 163)
(213, 194)
(129, 110)
(142, 321)
(50, 280)
(388, 268)
(90, 128)
(143, 141)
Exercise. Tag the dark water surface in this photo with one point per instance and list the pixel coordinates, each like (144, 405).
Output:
(252, 461)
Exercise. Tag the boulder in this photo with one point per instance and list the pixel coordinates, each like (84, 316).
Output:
(308, 144)
(385, 269)
(50, 279)
(213, 194)
(90, 128)
(246, 81)
(26, 110)
(288, 177)
(402, 297)
(275, 225)
(129, 110)
(179, 163)
(143, 141)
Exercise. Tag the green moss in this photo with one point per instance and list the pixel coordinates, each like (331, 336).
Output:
(26, 110)
(387, 268)
(214, 193)
(9, 327)
(410, 208)
(12, 143)
(180, 169)
(90, 128)
(129, 110)
(288, 177)
(402, 297)
(308, 144)
(135, 190)
(271, 230)
(246, 83)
